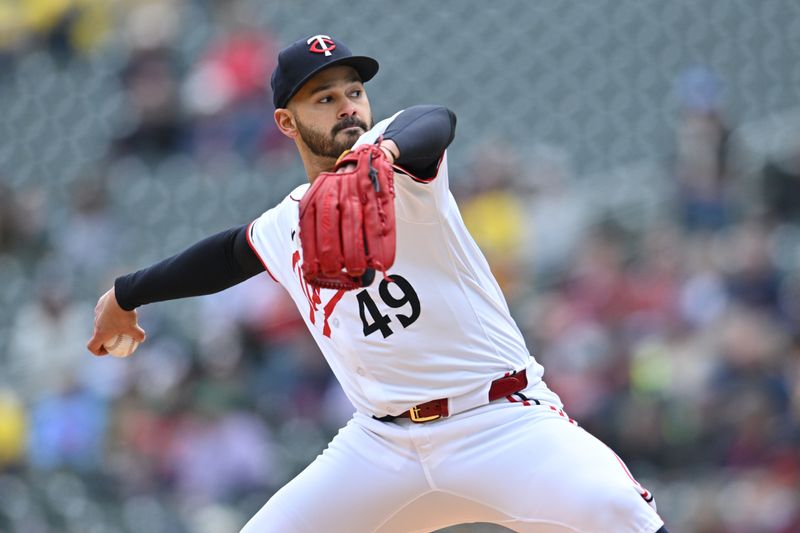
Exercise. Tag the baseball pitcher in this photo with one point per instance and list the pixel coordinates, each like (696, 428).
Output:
(453, 422)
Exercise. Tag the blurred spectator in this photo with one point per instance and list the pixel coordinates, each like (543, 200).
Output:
(140, 438)
(705, 192)
(157, 127)
(11, 30)
(494, 214)
(47, 339)
(556, 215)
(580, 358)
(229, 96)
(63, 27)
(291, 380)
(201, 473)
(13, 429)
(790, 300)
(781, 188)
(246, 326)
(752, 278)
(12, 227)
(748, 400)
(597, 277)
(154, 126)
(151, 24)
(89, 228)
(68, 429)
(23, 220)
(704, 296)
(652, 282)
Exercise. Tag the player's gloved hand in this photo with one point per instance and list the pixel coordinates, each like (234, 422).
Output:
(347, 222)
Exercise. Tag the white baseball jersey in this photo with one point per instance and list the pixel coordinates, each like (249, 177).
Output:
(442, 329)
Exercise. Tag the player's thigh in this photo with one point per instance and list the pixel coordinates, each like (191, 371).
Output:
(540, 469)
(357, 483)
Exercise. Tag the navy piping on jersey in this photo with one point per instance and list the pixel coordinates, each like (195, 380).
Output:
(416, 178)
(526, 399)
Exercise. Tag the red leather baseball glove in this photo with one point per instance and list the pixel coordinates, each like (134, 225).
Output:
(347, 223)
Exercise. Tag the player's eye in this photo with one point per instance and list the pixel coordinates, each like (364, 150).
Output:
(356, 93)
(325, 99)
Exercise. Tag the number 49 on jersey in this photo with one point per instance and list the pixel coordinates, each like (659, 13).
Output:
(373, 320)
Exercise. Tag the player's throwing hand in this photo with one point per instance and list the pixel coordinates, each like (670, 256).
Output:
(111, 320)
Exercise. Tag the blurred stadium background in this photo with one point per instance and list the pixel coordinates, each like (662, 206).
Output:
(631, 168)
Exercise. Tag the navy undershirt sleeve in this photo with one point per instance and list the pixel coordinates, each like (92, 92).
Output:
(422, 133)
(211, 265)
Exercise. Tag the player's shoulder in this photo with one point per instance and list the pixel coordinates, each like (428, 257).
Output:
(291, 200)
(297, 194)
(286, 211)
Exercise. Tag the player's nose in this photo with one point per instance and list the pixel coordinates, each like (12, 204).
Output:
(347, 110)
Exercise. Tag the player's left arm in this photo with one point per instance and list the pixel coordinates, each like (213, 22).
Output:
(418, 137)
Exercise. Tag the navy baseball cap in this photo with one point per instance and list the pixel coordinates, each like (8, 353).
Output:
(299, 61)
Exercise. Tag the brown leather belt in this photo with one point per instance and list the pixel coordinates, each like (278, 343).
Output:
(435, 409)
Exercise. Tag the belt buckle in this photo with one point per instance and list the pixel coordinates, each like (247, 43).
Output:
(415, 416)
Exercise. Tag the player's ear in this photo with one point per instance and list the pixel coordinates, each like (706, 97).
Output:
(286, 122)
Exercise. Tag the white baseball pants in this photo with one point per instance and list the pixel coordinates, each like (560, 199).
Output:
(527, 467)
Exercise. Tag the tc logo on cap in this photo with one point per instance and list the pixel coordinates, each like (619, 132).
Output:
(322, 44)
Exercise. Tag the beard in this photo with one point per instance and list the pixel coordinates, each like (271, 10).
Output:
(329, 145)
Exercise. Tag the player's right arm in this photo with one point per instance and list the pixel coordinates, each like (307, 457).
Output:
(211, 265)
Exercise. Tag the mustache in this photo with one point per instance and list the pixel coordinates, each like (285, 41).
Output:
(349, 122)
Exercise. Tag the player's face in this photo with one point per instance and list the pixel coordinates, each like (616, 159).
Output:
(331, 111)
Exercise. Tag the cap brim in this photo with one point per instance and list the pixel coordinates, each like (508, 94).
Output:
(364, 65)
